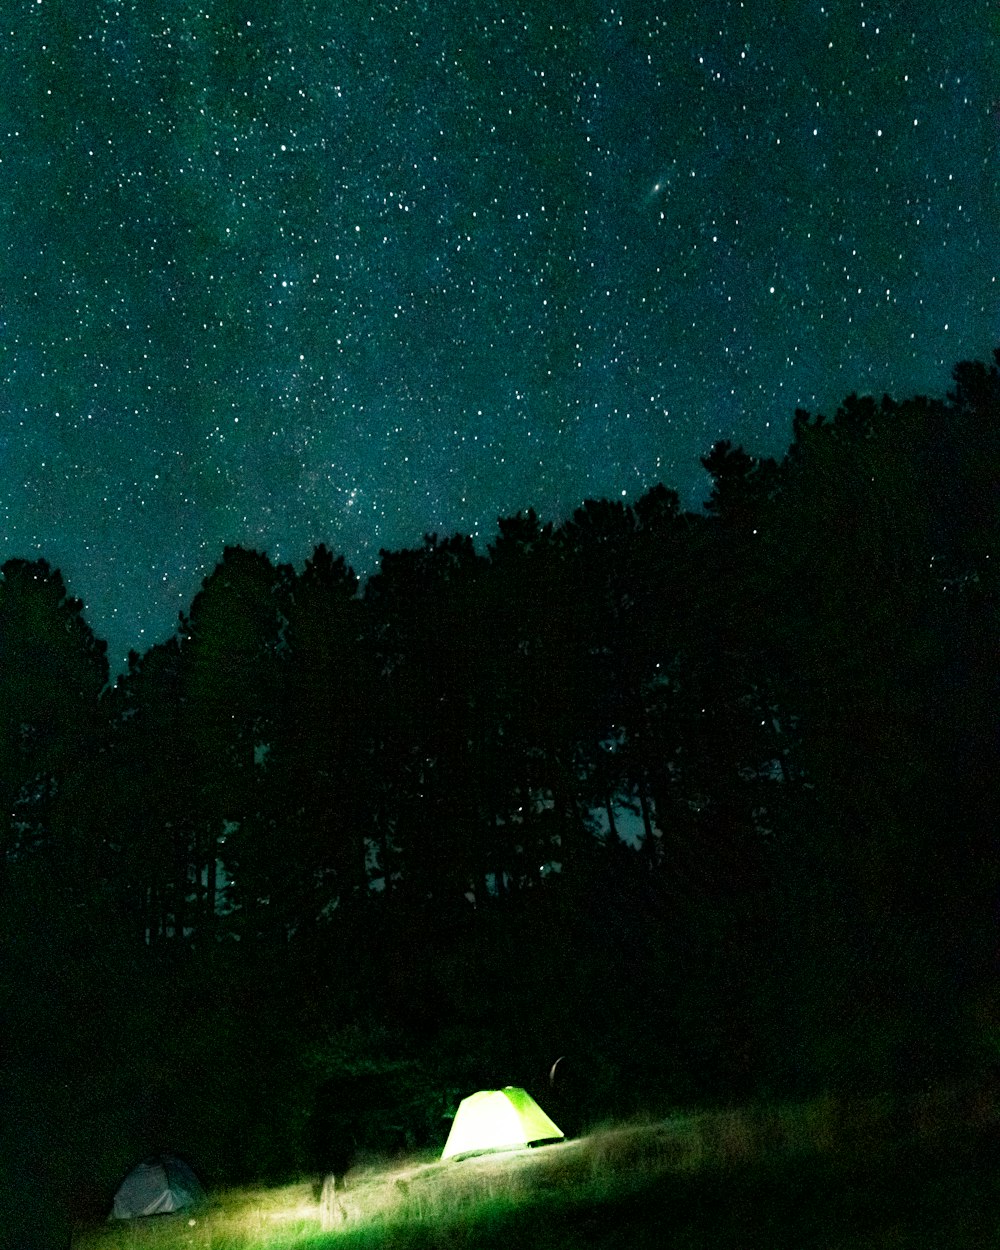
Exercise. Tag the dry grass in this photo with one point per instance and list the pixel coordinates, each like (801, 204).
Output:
(371, 1203)
(257, 1217)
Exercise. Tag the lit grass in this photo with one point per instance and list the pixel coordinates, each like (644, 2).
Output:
(231, 1220)
(832, 1173)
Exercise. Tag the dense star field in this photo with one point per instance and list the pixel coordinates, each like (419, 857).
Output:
(285, 273)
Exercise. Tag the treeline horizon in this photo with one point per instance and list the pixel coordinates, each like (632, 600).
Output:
(326, 816)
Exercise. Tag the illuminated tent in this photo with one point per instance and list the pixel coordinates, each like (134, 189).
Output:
(498, 1119)
(157, 1186)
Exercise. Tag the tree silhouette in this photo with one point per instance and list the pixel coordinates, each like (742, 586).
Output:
(426, 647)
(318, 771)
(149, 784)
(52, 671)
(230, 647)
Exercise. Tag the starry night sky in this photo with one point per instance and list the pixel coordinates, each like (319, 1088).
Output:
(281, 272)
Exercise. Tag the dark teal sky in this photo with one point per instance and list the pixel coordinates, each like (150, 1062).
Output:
(282, 273)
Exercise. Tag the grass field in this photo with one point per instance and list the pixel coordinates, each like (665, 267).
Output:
(828, 1175)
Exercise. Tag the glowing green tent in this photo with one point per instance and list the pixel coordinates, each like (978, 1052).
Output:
(498, 1119)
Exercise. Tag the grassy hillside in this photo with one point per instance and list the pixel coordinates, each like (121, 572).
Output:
(831, 1175)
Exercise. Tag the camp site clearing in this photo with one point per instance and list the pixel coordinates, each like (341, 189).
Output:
(832, 1172)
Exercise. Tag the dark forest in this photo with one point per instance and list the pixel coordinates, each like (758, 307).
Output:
(334, 855)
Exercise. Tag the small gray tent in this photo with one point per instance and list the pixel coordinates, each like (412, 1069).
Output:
(157, 1186)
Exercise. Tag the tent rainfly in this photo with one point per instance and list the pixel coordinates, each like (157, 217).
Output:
(157, 1186)
(498, 1119)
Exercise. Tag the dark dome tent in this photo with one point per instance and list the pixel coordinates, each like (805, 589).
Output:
(157, 1186)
